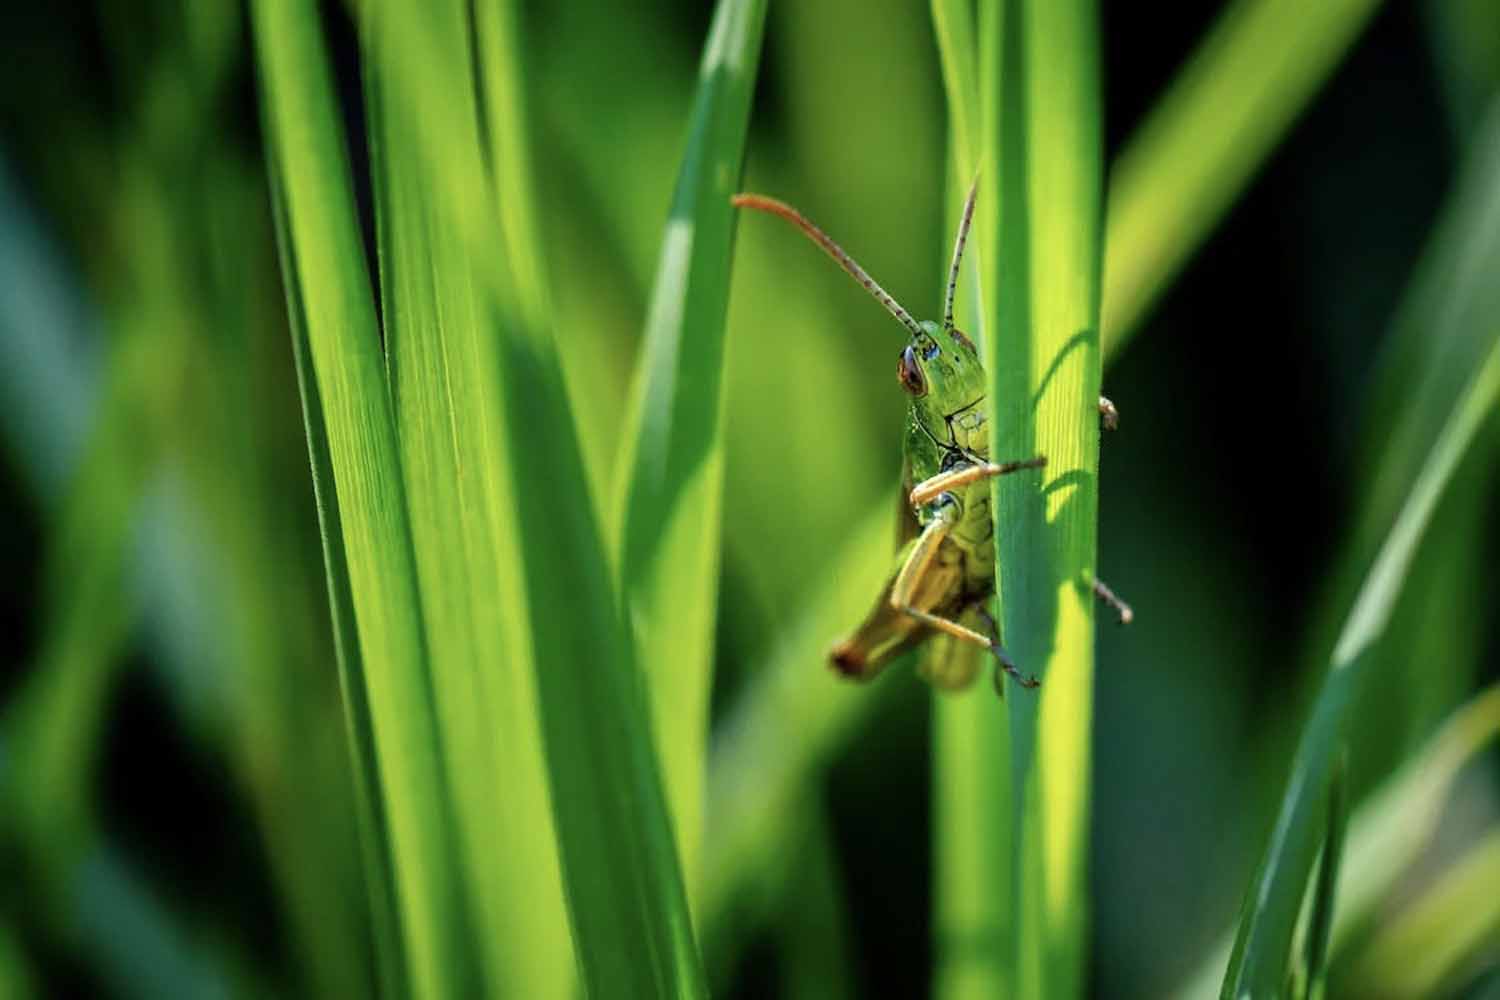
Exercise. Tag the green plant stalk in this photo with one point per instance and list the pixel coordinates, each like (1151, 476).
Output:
(306, 157)
(1387, 832)
(1325, 891)
(370, 821)
(1419, 952)
(1261, 948)
(1203, 141)
(1040, 232)
(672, 500)
(456, 456)
(621, 877)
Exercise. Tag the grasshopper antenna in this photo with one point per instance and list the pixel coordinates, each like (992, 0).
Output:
(958, 253)
(822, 239)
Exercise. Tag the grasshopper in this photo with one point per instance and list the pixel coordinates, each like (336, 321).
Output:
(945, 567)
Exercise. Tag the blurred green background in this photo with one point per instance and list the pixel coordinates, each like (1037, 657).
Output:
(176, 811)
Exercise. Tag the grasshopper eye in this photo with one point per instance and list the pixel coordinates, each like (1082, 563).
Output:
(910, 373)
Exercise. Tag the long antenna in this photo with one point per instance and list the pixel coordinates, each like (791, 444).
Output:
(958, 253)
(822, 239)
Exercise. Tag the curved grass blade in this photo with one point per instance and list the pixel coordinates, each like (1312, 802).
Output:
(370, 821)
(306, 156)
(1320, 927)
(623, 886)
(1206, 138)
(1258, 964)
(673, 490)
(1387, 832)
(1039, 228)
(1423, 950)
(448, 414)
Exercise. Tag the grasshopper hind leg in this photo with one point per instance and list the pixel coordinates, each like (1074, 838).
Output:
(914, 573)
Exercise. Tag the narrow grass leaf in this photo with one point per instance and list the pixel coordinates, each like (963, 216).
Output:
(370, 820)
(1208, 135)
(1039, 227)
(673, 489)
(973, 834)
(624, 889)
(306, 154)
(1387, 833)
(1261, 947)
(1325, 890)
(1448, 929)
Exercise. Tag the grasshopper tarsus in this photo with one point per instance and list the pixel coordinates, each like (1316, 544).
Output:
(1007, 667)
(1122, 610)
(1108, 414)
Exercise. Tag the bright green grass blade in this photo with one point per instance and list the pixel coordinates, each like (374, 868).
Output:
(1325, 890)
(973, 835)
(953, 25)
(673, 491)
(1206, 138)
(370, 819)
(1423, 951)
(1039, 241)
(499, 47)
(1261, 948)
(1388, 831)
(442, 367)
(624, 888)
(305, 147)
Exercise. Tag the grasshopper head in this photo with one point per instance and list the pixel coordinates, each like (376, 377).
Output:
(940, 370)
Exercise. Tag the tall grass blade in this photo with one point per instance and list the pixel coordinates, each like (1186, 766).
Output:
(1039, 227)
(1205, 139)
(370, 820)
(624, 888)
(1387, 832)
(306, 157)
(442, 367)
(673, 489)
(1448, 929)
(1325, 890)
(1260, 956)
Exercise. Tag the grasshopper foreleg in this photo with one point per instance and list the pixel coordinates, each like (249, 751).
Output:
(927, 489)
(909, 580)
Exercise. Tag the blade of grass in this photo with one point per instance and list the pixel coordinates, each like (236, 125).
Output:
(1261, 947)
(1388, 831)
(306, 156)
(973, 835)
(370, 820)
(1207, 136)
(1039, 242)
(673, 491)
(446, 413)
(624, 889)
(1420, 951)
(1325, 891)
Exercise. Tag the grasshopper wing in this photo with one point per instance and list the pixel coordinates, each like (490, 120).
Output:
(884, 634)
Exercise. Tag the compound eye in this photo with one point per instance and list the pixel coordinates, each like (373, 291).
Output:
(910, 373)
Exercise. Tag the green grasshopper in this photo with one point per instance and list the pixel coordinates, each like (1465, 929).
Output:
(945, 567)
